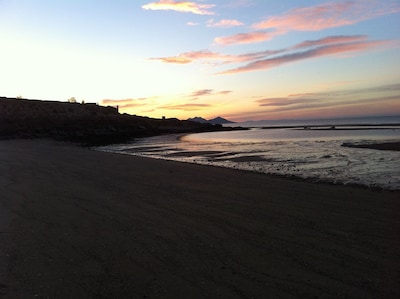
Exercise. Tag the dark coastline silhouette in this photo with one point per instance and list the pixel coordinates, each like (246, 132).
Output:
(87, 124)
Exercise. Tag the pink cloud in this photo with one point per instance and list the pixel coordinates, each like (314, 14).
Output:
(328, 15)
(205, 54)
(189, 57)
(245, 38)
(224, 23)
(180, 6)
(327, 46)
(326, 50)
(313, 18)
(176, 59)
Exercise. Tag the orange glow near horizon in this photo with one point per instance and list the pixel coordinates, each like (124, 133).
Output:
(327, 104)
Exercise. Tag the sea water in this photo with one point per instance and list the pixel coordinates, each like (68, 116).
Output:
(313, 151)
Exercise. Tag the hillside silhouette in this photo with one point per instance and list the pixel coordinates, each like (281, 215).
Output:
(88, 124)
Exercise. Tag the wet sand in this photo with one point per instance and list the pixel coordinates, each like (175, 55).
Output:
(76, 223)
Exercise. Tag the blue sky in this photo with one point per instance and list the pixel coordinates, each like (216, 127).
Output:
(243, 59)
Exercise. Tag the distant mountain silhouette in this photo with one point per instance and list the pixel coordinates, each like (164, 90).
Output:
(198, 119)
(215, 121)
(220, 121)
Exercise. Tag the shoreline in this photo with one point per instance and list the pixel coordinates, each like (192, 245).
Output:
(214, 158)
(289, 177)
(84, 223)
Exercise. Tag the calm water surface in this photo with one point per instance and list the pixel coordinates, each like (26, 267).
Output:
(315, 154)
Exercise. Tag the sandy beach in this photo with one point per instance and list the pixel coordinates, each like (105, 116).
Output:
(76, 223)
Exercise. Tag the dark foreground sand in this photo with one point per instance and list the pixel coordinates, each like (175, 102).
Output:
(75, 223)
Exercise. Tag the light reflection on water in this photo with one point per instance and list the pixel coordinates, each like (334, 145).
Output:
(262, 135)
(311, 154)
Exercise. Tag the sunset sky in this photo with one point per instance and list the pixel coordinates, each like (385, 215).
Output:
(240, 59)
